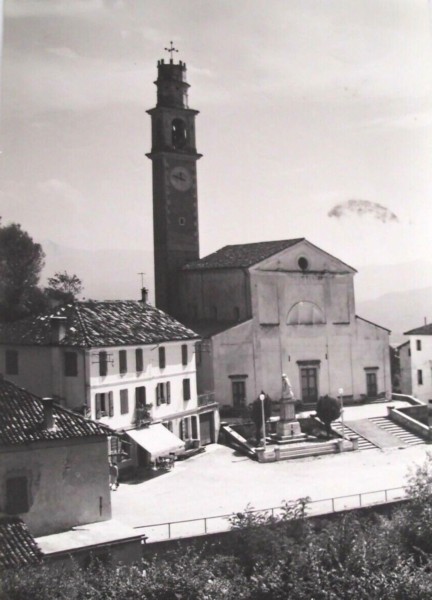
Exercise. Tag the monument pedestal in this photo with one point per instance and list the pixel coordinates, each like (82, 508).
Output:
(288, 428)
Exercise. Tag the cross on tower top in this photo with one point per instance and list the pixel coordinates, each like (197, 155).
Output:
(171, 49)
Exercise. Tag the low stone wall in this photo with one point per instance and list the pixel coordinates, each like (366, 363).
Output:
(418, 412)
(409, 423)
(290, 451)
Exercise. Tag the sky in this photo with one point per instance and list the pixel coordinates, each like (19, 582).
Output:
(315, 121)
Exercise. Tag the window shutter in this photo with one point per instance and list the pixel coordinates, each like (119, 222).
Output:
(114, 446)
(186, 389)
(158, 395)
(139, 360)
(162, 360)
(184, 351)
(124, 402)
(98, 406)
(103, 364)
(110, 404)
(168, 392)
(17, 500)
(122, 361)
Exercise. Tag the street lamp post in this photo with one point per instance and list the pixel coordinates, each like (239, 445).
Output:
(262, 397)
(340, 391)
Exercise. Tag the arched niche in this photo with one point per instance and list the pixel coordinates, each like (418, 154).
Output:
(305, 313)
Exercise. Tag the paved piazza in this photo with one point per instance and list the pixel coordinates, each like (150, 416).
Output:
(222, 482)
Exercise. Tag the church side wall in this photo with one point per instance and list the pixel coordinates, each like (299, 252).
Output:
(233, 360)
(220, 292)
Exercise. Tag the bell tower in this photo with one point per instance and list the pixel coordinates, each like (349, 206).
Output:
(175, 201)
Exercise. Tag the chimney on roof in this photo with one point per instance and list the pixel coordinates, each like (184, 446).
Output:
(58, 328)
(48, 417)
(144, 295)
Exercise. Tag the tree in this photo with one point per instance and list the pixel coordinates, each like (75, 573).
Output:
(328, 410)
(21, 261)
(64, 287)
(256, 414)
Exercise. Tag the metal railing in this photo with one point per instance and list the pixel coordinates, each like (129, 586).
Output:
(158, 532)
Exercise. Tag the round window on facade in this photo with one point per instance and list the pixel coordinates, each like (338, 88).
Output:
(303, 263)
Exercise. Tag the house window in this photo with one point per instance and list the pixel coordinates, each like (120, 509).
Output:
(419, 377)
(139, 360)
(70, 364)
(186, 389)
(104, 405)
(11, 362)
(17, 497)
(163, 393)
(124, 402)
(162, 360)
(409, 351)
(418, 344)
(103, 363)
(239, 393)
(123, 361)
(168, 425)
(140, 396)
(184, 351)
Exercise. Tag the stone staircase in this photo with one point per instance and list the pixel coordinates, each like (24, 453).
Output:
(407, 437)
(363, 443)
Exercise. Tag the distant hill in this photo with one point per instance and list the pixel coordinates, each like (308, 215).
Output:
(399, 311)
(108, 274)
(375, 281)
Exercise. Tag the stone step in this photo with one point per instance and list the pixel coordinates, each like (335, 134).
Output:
(407, 437)
(363, 443)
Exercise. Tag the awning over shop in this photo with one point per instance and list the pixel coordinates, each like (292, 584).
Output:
(157, 440)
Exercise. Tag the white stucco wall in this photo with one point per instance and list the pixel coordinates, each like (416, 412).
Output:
(405, 369)
(174, 373)
(41, 372)
(421, 360)
(68, 483)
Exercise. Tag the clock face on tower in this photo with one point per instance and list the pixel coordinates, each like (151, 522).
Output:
(180, 179)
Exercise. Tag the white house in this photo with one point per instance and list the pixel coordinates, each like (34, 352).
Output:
(416, 363)
(124, 363)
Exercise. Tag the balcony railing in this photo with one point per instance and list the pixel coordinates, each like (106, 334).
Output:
(207, 398)
(142, 416)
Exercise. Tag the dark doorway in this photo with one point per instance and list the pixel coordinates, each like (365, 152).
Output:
(371, 385)
(309, 384)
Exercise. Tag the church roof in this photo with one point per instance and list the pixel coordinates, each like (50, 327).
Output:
(18, 547)
(22, 416)
(423, 330)
(98, 323)
(241, 255)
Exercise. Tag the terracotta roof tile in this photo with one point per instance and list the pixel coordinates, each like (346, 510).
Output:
(21, 419)
(95, 323)
(241, 255)
(423, 330)
(18, 547)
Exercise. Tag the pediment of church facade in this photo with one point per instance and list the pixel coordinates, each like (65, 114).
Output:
(303, 257)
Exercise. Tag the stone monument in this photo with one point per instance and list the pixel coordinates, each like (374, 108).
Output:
(288, 428)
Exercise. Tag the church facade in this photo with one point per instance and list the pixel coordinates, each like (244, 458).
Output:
(261, 309)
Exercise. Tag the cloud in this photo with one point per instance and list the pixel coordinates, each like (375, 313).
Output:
(363, 207)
